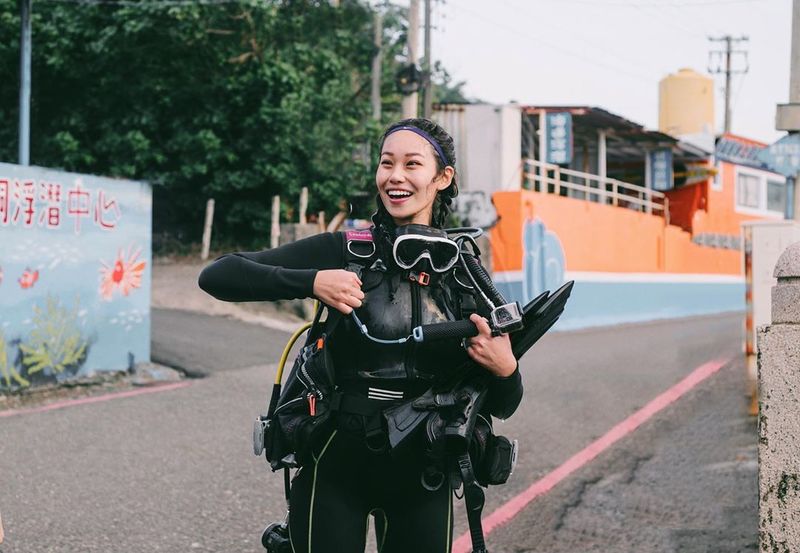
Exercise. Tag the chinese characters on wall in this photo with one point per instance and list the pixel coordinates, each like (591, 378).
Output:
(661, 176)
(714, 240)
(559, 138)
(45, 204)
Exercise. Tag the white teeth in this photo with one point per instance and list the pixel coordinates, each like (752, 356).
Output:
(398, 194)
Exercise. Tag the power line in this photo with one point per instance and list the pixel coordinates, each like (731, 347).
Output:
(660, 16)
(736, 94)
(594, 44)
(529, 37)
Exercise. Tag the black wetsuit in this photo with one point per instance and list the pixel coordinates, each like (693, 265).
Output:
(345, 482)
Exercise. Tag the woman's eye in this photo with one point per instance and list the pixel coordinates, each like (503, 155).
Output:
(413, 163)
(386, 163)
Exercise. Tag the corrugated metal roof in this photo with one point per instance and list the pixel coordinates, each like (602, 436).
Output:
(590, 116)
(624, 138)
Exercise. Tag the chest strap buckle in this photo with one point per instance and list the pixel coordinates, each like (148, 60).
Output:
(422, 278)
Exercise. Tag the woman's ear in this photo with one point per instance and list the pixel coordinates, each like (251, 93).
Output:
(445, 178)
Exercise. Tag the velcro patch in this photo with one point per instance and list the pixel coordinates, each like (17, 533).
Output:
(358, 235)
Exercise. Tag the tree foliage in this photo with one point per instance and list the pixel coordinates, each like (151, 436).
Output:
(237, 101)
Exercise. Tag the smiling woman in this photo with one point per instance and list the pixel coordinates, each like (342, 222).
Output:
(416, 174)
(400, 274)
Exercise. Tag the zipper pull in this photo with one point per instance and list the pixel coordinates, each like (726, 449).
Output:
(312, 404)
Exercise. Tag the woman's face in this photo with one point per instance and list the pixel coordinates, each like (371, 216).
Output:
(407, 178)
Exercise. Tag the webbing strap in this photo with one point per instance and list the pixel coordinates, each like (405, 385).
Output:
(287, 484)
(473, 500)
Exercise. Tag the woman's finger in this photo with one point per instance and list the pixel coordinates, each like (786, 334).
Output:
(480, 322)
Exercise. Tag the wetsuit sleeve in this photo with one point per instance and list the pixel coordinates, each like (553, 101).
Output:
(282, 273)
(505, 394)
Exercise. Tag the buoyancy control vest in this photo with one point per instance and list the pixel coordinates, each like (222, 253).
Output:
(396, 301)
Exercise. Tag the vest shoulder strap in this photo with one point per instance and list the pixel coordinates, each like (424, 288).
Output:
(359, 250)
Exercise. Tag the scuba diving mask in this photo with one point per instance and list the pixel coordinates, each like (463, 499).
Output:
(417, 242)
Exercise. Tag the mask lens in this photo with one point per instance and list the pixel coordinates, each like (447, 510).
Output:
(408, 252)
(443, 254)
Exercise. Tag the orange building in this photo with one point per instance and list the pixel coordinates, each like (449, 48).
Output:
(634, 251)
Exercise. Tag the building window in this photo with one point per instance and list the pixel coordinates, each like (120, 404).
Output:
(747, 190)
(776, 196)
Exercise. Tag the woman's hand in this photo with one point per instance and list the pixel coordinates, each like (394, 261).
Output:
(492, 352)
(339, 289)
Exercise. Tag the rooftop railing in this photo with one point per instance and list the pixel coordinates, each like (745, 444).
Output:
(552, 179)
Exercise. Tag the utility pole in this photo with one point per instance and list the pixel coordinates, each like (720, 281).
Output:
(377, 59)
(25, 82)
(788, 115)
(411, 101)
(427, 99)
(728, 70)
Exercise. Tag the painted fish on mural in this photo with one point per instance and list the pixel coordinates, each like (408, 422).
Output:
(28, 278)
(124, 275)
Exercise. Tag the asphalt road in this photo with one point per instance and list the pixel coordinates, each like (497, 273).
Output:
(174, 471)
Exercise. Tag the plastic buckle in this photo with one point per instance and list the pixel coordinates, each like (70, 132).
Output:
(422, 278)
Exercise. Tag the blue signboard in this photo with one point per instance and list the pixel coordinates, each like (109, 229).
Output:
(558, 133)
(783, 156)
(661, 177)
(75, 264)
(739, 151)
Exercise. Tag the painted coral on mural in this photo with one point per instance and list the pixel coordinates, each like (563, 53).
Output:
(55, 349)
(9, 374)
(123, 276)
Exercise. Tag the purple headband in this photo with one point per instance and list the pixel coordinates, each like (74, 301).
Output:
(424, 135)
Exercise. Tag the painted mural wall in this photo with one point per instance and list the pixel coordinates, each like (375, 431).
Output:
(627, 266)
(75, 263)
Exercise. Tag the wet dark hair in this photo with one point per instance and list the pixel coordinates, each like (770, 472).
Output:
(444, 198)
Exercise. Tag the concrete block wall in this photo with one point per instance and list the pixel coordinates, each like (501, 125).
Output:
(779, 412)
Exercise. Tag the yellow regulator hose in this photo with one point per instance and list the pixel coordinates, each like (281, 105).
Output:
(290, 344)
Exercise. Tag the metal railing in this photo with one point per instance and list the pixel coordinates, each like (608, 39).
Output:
(549, 178)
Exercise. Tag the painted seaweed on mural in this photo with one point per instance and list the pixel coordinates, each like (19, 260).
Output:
(543, 260)
(75, 264)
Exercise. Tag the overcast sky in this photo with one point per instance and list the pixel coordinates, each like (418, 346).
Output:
(612, 53)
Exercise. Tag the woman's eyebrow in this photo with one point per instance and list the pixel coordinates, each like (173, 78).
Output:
(409, 154)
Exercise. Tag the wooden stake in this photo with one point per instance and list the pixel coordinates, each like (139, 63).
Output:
(275, 231)
(337, 221)
(303, 204)
(207, 229)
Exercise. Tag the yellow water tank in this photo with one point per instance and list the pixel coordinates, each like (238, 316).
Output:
(686, 103)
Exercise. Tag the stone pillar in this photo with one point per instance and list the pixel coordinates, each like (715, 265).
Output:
(779, 412)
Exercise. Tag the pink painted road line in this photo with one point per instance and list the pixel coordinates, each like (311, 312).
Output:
(94, 399)
(508, 511)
